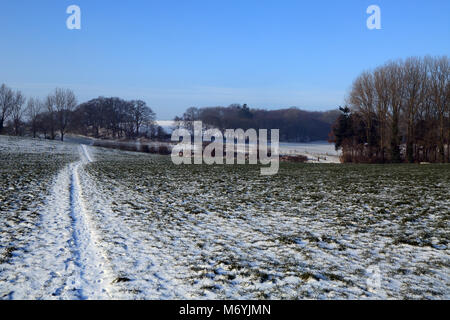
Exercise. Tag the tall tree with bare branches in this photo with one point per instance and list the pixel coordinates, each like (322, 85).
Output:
(65, 103)
(34, 108)
(50, 117)
(6, 105)
(17, 112)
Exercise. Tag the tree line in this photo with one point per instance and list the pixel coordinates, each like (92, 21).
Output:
(116, 118)
(295, 125)
(59, 113)
(398, 112)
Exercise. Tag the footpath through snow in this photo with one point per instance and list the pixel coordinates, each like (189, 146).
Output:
(63, 259)
(92, 277)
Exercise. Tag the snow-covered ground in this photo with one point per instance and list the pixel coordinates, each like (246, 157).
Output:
(317, 151)
(79, 222)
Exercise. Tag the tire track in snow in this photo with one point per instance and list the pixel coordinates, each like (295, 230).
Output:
(93, 275)
(86, 153)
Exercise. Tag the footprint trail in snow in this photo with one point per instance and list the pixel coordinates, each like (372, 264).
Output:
(62, 260)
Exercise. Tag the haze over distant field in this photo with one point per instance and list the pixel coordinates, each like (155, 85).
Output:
(177, 54)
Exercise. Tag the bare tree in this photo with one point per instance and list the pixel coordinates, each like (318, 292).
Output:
(34, 108)
(363, 98)
(382, 105)
(141, 114)
(395, 87)
(49, 119)
(414, 84)
(192, 114)
(447, 108)
(65, 103)
(17, 112)
(440, 77)
(6, 105)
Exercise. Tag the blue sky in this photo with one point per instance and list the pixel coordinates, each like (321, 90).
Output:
(177, 54)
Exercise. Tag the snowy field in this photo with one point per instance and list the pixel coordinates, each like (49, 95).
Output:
(316, 152)
(78, 222)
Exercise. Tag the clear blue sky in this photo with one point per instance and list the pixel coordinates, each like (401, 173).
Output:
(177, 54)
